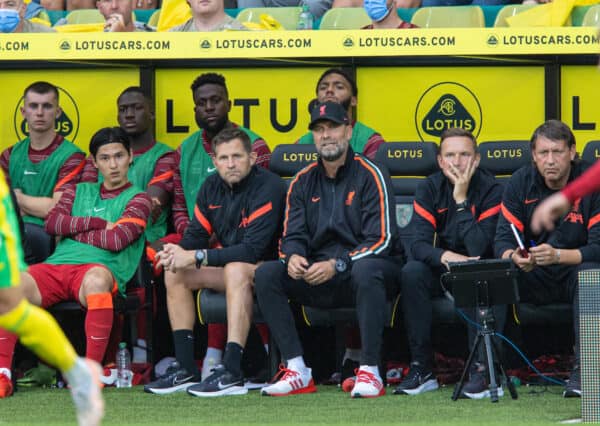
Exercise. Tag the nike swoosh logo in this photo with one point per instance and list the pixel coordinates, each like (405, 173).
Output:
(177, 381)
(210, 170)
(98, 338)
(213, 207)
(533, 200)
(442, 210)
(27, 172)
(315, 199)
(99, 210)
(221, 386)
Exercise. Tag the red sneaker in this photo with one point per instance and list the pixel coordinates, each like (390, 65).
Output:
(6, 387)
(290, 383)
(367, 386)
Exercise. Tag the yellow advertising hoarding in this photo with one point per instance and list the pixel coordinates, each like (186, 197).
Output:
(88, 99)
(580, 92)
(418, 103)
(272, 102)
(298, 44)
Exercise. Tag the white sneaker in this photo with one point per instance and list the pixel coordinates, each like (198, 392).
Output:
(84, 383)
(290, 383)
(367, 386)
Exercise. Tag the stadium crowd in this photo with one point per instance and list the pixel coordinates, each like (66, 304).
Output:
(211, 215)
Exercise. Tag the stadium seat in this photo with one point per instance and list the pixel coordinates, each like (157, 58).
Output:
(87, 16)
(591, 17)
(502, 158)
(591, 152)
(153, 21)
(344, 18)
(449, 17)
(289, 159)
(287, 16)
(510, 10)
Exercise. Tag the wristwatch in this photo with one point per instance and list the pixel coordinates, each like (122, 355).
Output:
(199, 258)
(340, 265)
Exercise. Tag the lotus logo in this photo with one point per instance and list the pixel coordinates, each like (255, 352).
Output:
(67, 123)
(492, 40)
(348, 42)
(64, 45)
(205, 44)
(445, 105)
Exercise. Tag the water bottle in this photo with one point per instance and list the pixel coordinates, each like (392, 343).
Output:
(306, 19)
(124, 373)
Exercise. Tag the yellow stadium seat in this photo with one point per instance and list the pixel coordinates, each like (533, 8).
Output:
(449, 17)
(287, 16)
(510, 10)
(153, 21)
(344, 18)
(592, 17)
(87, 16)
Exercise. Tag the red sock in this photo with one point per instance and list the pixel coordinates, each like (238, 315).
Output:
(217, 336)
(353, 338)
(98, 323)
(7, 348)
(263, 330)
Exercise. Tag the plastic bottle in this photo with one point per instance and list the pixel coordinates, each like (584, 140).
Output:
(306, 19)
(124, 373)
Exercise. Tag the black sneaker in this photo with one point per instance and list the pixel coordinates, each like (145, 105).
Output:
(573, 386)
(417, 381)
(220, 382)
(175, 379)
(477, 386)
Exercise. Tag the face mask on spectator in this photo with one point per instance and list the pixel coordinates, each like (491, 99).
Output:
(9, 20)
(377, 9)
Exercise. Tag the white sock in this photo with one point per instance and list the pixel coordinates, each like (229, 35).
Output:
(213, 353)
(373, 369)
(6, 372)
(297, 364)
(352, 354)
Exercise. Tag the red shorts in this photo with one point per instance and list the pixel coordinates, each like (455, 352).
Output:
(60, 283)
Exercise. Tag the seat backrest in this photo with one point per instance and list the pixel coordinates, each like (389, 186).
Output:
(503, 158)
(408, 164)
(449, 17)
(344, 18)
(510, 10)
(84, 16)
(591, 152)
(591, 17)
(153, 21)
(287, 16)
(289, 159)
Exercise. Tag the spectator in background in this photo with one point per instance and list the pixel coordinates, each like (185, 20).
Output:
(399, 4)
(337, 85)
(12, 19)
(384, 15)
(457, 207)
(317, 7)
(551, 269)
(119, 17)
(49, 4)
(80, 4)
(208, 15)
(41, 166)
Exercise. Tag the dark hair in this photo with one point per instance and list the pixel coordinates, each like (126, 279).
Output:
(209, 78)
(457, 132)
(41, 87)
(555, 130)
(344, 73)
(227, 135)
(139, 90)
(108, 135)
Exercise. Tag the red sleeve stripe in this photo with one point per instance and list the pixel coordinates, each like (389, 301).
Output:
(203, 221)
(594, 220)
(70, 176)
(161, 177)
(383, 207)
(489, 213)
(511, 218)
(260, 212)
(420, 210)
(135, 220)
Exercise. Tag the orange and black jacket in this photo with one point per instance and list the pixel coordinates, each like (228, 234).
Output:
(580, 228)
(245, 219)
(351, 216)
(440, 227)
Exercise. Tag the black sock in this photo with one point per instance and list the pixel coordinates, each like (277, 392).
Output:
(184, 350)
(232, 360)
